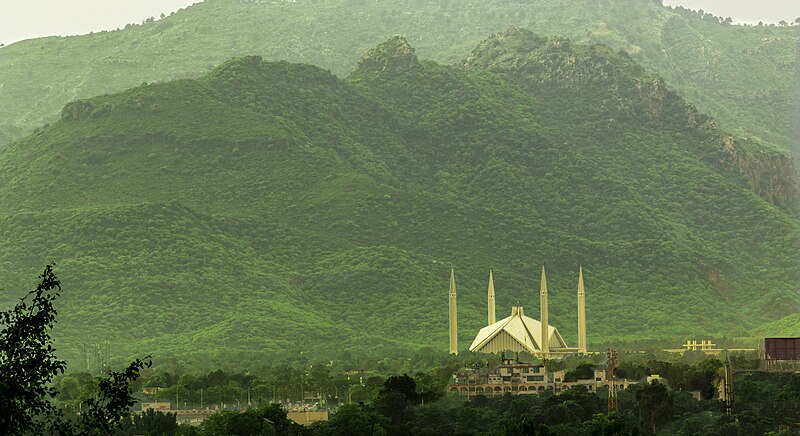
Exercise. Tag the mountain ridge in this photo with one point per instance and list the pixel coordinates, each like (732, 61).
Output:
(744, 76)
(273, 206)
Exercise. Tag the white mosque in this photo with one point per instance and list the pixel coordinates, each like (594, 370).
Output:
(519, 333)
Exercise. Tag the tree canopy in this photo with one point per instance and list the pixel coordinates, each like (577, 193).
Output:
(28, 364)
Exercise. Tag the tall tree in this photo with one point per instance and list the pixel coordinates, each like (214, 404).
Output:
(655, 404)
(28, 364)
(27, 360)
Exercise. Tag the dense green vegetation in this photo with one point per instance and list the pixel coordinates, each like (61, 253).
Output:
(381, 402)
(275, 208)
(745, 76)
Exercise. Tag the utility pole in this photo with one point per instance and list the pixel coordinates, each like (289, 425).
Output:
(85, 357)
(727, 392)
(611, 374)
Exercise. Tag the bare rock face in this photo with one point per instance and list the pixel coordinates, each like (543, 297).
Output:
(556, 63)
(769, 173)
(553, 63)
(393, 56)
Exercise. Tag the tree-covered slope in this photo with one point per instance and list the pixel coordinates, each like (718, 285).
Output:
(745, 76)
(275, 207)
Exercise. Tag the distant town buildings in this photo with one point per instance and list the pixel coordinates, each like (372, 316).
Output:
(782, 349)
(150, 390)
(706, 346)
(308, 417)
(782, 354)
(518, 378)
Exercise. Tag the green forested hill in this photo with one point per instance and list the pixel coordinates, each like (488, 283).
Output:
(275, 207)
(746, 77)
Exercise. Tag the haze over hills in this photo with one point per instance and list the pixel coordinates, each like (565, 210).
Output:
(270, 206)
(746, 77)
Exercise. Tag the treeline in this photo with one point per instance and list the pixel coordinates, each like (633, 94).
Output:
(765, 403)
(370, 403)
(281, 383)
(396, 405)
(707, 16)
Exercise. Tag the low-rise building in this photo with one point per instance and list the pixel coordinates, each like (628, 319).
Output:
(308, 417)
(518, 378)
(159, 407)
(655, 378)
(151, 390)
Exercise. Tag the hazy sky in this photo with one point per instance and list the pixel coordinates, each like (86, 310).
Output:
(22, 19)
(745, 11)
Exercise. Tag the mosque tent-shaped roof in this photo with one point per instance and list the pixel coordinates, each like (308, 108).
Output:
(516, 333)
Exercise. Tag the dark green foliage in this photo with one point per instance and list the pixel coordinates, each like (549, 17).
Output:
(28, 362)
(28, 365)
(584, 371)
(398, 394)
(152, 423)
(572, 407)
(271, 419)
(608, 425)
(114, 401)
(655, 405)
(765, 402)
(355, 420)
(218, 423)
(270, 207)
(403, 385)
(774, 399)
(703, 378)
(524, 426)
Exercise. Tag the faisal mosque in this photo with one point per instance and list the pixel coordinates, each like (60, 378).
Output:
(519, 333)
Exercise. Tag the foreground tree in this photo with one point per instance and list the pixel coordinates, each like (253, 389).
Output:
(354, 420)
(655, 404)
(271, 419)
(151, 422)
(28, 364)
